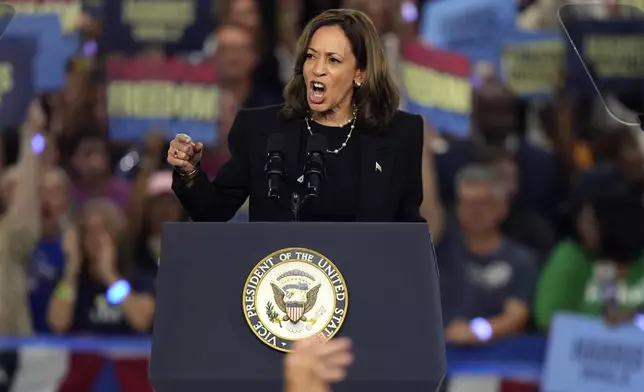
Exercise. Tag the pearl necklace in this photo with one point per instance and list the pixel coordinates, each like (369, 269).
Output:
(344, 144)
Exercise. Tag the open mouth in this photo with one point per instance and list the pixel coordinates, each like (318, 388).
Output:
(318, 87)
(317, 92)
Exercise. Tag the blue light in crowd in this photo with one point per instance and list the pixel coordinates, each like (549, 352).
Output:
(481, 328)
(118, 292)
(38, 144)
(90, 48)
(476, 81)
(409, 11)
(638, 320)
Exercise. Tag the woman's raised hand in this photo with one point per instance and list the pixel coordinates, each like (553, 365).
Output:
(184, 154)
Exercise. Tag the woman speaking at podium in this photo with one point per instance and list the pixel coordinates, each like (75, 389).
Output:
(343, 150)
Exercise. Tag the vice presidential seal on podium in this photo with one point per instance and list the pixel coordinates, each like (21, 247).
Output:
(293, 294)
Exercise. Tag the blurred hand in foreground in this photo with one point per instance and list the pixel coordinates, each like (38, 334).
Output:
(313, 366)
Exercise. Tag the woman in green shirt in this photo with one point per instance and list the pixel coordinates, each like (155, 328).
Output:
(610, 234)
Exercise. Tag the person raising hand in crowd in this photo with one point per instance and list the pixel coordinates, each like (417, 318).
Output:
(20, 228)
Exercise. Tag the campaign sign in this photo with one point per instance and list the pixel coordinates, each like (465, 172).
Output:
(474, 28)
(586, 355)
(68, 11)
(16, 81)
(173, 25)
(49, 67)
(611, 50)
(171, 96)
(437, 87)
(532, 63)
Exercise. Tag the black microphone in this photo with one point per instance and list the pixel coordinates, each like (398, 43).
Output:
(274, 169)
(315, 170)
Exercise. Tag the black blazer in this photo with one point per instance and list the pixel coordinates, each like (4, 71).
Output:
(391, 195)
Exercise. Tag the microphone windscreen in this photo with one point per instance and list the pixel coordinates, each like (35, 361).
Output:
(316, 143)
(275, 143)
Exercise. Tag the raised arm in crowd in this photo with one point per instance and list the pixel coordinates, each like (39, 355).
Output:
(20, 228)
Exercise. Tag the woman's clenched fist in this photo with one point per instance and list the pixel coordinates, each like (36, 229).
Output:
(184, 154)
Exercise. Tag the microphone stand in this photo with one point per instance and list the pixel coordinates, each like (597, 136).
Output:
(314, 171)
(296, 202)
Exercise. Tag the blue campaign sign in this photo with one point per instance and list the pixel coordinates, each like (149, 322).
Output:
(586, 355)
(532, 63)
(49, 67)
(71, 45)
(68, 11)
(611, 50)
(174, 25)
(16, 82)
(474, 28)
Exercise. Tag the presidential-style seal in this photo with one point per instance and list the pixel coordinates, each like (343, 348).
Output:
(293, 294)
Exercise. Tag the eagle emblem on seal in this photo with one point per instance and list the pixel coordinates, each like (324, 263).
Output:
(295, 301)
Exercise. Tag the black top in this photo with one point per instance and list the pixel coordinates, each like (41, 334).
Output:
(341, 174)
(387, 181)
(94, 315)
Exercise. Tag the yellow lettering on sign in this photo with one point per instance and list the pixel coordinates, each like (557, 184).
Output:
(159, 99)
(6, 79)
(156, 33)
(616, 56)
(431, 88)
(158, 20)
(534, 67)
(68, 13)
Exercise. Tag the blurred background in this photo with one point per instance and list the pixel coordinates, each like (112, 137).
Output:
(533, 174)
